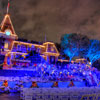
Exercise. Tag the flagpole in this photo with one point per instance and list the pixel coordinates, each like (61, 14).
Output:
(8, 7)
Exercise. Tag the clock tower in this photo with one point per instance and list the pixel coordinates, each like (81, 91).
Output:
(7, 32)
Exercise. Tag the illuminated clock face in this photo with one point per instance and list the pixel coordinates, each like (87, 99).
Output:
(8, 32)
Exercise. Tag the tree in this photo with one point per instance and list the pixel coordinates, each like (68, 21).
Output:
(74, 45)
(58, 46)
(94, 51)
(35, 57)
(96, 64)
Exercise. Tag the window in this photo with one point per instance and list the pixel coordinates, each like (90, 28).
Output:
(6, 45)
(29, 48)
(18, 47)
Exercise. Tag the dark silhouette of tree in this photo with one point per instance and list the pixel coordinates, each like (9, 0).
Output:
(34, 57)
(96, 64)
(58, 46)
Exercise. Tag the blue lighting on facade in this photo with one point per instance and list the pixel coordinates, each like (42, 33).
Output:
(43, 61)
(8, 60)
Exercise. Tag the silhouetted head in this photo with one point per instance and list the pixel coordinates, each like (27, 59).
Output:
(5, 81)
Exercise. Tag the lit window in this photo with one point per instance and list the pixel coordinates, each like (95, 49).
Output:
(6, 45)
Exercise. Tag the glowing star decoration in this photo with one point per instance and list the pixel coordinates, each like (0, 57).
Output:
(8, 32)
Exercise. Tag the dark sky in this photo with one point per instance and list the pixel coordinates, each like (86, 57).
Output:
(33, 19)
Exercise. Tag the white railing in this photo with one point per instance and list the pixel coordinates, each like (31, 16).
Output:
(73, 93)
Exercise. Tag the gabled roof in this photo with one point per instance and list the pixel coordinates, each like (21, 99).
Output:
(51, 48)
(7, 24)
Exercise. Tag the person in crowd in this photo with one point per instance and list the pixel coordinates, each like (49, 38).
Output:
(18, 86)
(5, 83)
(71, 84)
(5, 86)
(55, 84)
(34, 85)
(86, 82)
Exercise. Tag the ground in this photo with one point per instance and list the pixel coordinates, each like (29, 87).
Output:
(10, 96)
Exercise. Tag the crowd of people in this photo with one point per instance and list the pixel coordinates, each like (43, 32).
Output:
(55, 73)
(76, 72)
(20, 84)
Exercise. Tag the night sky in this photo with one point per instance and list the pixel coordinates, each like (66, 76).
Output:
(33, 19)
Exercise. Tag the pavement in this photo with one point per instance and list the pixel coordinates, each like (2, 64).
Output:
(10, 96)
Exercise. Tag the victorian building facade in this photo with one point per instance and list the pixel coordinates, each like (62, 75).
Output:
(12, 48)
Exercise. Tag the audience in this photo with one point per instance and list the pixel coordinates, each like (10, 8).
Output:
(49, 72)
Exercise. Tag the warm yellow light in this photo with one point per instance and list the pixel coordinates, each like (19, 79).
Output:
(62, 60)
(3, 22)
(51, 43)
(6, 45)
(60, 72)
(19, 53)
(48, 43)
(30, 44)
(50, 53)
